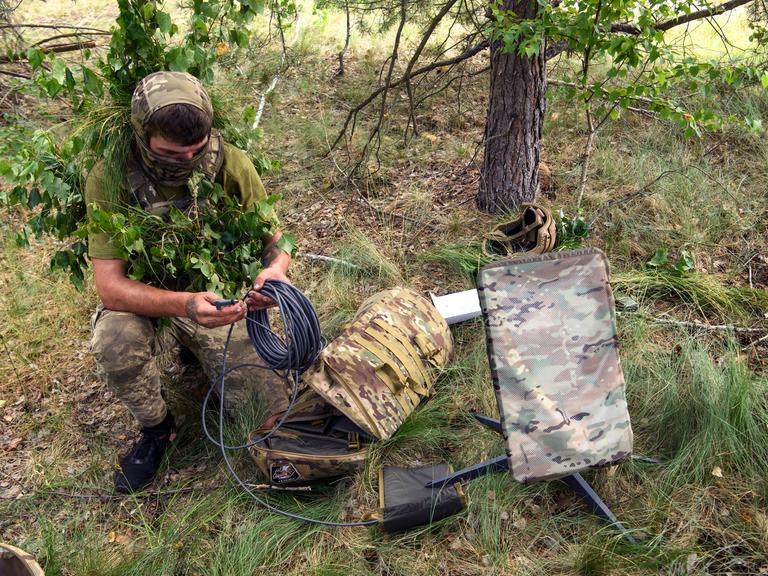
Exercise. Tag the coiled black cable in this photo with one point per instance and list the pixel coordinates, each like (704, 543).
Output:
(302, 329)
(287, 357)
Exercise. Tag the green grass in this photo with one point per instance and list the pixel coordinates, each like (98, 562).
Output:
(703, 294)
(698, 411)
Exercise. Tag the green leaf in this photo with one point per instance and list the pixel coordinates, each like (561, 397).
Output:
(59, 71)
(35, 57)
(249, 115)
(255, 5)
(92, 83)
(684, 264)
(660, 258)
(287, 243)
(240, 37)
(164, 22)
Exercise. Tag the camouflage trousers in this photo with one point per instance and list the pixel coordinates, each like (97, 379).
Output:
(127, 346)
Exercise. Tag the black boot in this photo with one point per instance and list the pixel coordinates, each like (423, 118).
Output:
(139, 466)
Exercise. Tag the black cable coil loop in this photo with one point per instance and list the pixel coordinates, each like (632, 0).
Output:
(303, 341)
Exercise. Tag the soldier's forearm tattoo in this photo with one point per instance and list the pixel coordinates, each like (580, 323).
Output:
(191, 308)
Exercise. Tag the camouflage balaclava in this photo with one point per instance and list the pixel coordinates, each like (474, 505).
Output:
(156, 91)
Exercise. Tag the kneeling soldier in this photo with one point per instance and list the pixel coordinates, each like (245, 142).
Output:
(171, 115)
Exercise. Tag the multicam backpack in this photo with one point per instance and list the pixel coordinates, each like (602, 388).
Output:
(362, 387)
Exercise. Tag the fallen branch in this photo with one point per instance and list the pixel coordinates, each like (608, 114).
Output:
(710, 327)
(14, 74)
(53, 27)
(331, 259)
(57, 48)
(69, 35)
(106, 497)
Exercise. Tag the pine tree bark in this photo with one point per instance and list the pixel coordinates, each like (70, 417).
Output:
(510, 172)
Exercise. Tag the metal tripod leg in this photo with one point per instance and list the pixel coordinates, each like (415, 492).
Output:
(588, 495)
(575, 481)
(498, 464)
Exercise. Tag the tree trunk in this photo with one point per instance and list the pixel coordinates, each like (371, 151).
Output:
(510, 174)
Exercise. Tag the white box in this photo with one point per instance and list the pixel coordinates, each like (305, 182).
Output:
(458, 306)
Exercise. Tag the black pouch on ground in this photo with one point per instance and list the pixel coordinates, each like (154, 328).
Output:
(405, 502)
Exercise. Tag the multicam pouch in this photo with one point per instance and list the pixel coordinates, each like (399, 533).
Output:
(315, 443)
(382, 366)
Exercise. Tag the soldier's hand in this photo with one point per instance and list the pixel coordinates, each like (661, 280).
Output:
(200, 308)
(256, 300)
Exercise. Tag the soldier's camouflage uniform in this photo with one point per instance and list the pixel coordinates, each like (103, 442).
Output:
(126, 345)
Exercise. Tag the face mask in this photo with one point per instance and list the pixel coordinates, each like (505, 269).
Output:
(166, 170)
(152, 93)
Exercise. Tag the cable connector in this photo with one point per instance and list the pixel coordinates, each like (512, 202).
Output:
(223, 303)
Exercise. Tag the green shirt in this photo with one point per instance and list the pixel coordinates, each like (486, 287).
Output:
(237, 177)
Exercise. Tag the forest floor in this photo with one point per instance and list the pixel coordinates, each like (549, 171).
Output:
(698, 397)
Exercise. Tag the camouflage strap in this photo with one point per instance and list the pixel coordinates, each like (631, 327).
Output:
(389, 373)
(405, 352)
(144, 193)
(411, 354)
(391, 352)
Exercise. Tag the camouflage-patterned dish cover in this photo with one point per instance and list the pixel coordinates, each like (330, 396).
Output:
(553, 352)
(381, 367)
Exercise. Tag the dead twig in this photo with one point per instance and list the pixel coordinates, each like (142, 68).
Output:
(414, 58)
(467, 54)
(710, 327)
(58, 48)
(107, 497)
(343, 51)
(376, 132)
(53, 27)
(330, 259)
(69, 35)
(15, 74)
